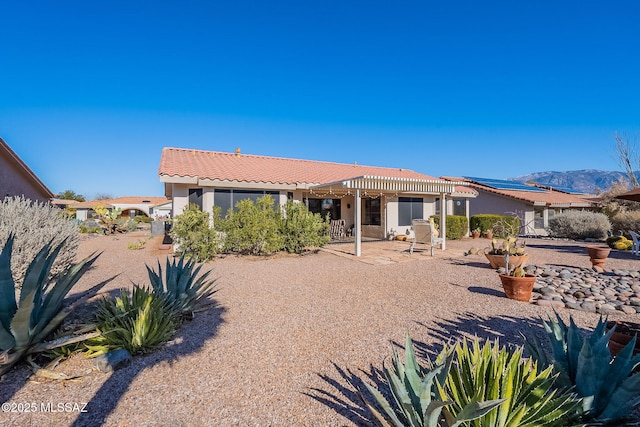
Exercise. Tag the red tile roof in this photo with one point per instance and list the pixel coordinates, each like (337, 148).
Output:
(214, 165)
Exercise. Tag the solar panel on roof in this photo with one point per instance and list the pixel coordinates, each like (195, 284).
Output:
(501, 184)
(565, 189)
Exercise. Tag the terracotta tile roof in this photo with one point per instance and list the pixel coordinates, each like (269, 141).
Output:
(548, 197)
(127, 200)
(214, 165)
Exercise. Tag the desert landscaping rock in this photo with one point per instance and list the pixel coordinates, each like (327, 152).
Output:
(589, 289)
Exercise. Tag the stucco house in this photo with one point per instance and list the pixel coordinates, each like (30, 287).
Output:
(130, 205)
(17, 179)
(533, 204)
(373, 201)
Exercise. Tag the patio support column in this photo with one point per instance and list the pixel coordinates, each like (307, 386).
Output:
(443, 220)
(357, 221)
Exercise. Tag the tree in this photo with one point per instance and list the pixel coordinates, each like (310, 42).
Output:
(627, 153)
(103, 196)
(71, 195)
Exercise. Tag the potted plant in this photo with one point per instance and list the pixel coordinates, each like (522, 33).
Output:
(510, 245)
(475, 233)
(488, 234)
(517, 284)
(598, 254)
(623, 334)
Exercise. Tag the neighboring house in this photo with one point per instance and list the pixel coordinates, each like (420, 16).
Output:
(16, 179)
(533, 204)
(373, 201)
(130, 205)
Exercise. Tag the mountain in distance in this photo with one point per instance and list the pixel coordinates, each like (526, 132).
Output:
(587, 181)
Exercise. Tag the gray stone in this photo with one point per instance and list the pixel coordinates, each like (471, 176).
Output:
(626, 309)
(635, 301)
(547, 290)
(573, 305)
(580, 295)
(565, 274)
(112, 360)
(588, 306)
(607, 308)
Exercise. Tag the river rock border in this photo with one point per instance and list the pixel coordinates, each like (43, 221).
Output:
(578, 288)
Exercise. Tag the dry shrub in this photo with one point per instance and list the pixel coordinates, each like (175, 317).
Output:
(34, 225)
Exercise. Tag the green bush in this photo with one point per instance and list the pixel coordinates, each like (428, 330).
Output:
(302, 229)
(252, 228)
(34, 226)
(579, 225)
(193, 235)
(142, 218)
(457, 226)
(502, 226)
(139, 322)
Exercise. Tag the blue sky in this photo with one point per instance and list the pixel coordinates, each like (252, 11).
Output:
(90, 91)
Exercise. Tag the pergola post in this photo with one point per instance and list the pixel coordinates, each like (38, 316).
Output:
(357, 221)
(443, 220)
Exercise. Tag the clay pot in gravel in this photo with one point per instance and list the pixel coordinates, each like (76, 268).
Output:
(518, 288)
(598, 254)
(497, 261)
(623, 334)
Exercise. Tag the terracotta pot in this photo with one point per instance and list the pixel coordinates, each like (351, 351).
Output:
(497, 261)
(518, 288)
(622, 336)
(488, 235)
(598, 254)
(475, 235)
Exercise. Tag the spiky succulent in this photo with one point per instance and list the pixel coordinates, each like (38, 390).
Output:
(609, 389)
(26, 322)
(180, 286)
(489, 372)
(415, 398)
(139, 322)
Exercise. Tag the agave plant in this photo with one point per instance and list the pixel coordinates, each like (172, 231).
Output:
(490, 372)
(139, 323)
(414, 391)
(609, 389)
(180, 286)
(26, 321)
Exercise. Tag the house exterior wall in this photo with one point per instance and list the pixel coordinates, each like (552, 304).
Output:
(489, 203)
(389, 209)
(14, 182)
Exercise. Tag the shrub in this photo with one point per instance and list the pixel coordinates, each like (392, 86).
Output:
(252, 228)
(302, 229)
(35, 225)
(620, 243)
(134, 246)
(26, 322)
(138, 322)
(142, 218)
(625, 221)
(457, 226)
(579, 225)
(193, 235)
(501, 225)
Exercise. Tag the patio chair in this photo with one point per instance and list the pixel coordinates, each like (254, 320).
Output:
(636, 239)
(337, 229)
(424, 234)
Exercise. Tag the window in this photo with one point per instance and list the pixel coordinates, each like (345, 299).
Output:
(371, 212)
(459, 207)
(195, 197)
(538, 218)
(324, 207)
(227, 199)
(437, 202)
(409, 208)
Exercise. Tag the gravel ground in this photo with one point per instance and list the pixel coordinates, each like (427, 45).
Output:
(286, 332)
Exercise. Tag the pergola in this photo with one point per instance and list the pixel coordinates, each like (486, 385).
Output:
(384, 185)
